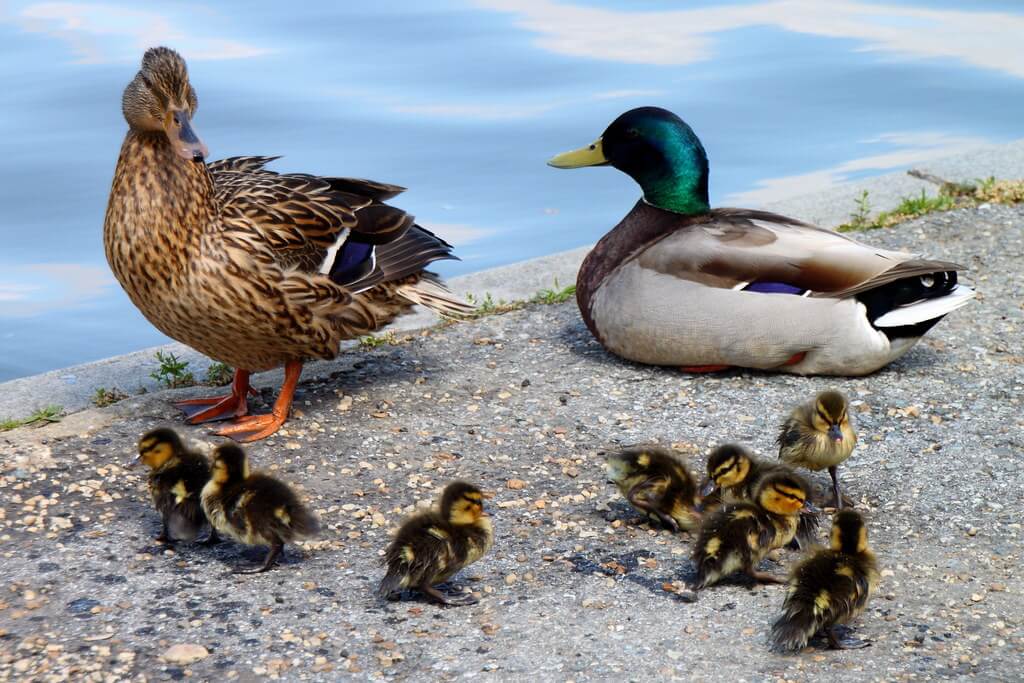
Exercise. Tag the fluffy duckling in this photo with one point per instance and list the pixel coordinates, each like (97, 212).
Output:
(733, 472)
(253, 508)
(829, 587)
(818, 435)
(176, 479)
(432, 546)
(658, 483)
(733, 475)
(737, 537)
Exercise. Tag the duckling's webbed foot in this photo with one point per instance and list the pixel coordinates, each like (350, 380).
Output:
(212, 539)
(837, 642)
(765, 577)
(268, 564)
(640, 503)
(448, 599)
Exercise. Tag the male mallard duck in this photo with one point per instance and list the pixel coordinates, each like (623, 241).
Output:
(734, 474)
(818, 435)
(657, 483)
(678, 283)
(253, 268)
(177, 476)
(432, 546)
(829, 587)
(737, 537)
(253, 508)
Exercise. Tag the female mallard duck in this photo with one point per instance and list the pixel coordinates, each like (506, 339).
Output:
(817, 435)
(678, 283)
(831, 586)
(253, 268)
(432, 546)
(658, 483)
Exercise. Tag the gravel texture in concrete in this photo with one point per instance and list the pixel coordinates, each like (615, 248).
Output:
(577, 587)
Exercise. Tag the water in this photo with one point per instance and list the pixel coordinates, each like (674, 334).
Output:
(462, 103)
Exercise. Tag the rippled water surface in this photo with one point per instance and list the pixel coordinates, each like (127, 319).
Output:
(462, 103)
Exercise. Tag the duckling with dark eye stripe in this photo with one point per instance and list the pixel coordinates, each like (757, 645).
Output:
(253, 508)
(819, 435)
(829, 587)
(176, 479)
(733, 476)
(432, 546)
(658, 483)
(737, 537)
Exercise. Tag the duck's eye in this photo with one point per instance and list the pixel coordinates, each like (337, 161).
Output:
(632, 133)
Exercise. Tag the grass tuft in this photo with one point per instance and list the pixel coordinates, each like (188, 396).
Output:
(556, 295)
(172, 373)
(950, 196)
(218, 374)
(40, 417)
(105, 397)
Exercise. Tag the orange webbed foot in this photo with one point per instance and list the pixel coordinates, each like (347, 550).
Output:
(704, 368)
(198, 410)
(253, 427)
(256, 427)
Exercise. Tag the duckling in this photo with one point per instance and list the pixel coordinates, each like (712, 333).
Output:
(432, 546)
(253, 508)
(658, 483)
(818, 435)
(829, 587)
(733, 475)
(176, 478)
(737, 537)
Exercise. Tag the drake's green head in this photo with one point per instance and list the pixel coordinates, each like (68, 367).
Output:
(659, 151)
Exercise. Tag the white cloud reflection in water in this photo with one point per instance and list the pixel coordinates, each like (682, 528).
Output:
(991, 40)
(100, 33)
(43, 287)
(910, 149)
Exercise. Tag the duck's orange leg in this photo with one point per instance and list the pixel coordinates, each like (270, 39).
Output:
(704, 368)
(219, 407)
(256, 427)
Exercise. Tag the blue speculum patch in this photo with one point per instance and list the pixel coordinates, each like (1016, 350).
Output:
(351, 261)
(773, 288)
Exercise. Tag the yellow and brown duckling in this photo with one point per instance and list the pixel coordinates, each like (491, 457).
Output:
(737, 537)
(432, 546)
(177, 476)
(733, 476)
(829, 587)
(253, 508)
(819, 434)
(658, 483)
